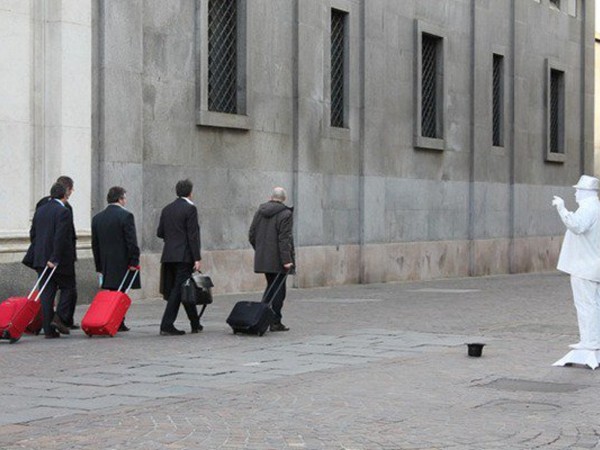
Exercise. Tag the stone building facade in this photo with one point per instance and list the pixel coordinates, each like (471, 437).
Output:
(417, 138)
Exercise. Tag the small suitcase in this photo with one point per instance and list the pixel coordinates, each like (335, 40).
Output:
(107, 311)
(16, 313)
(253, 317)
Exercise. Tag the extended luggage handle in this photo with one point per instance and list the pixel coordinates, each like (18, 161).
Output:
(135, 272)
(37, 283)
(285, 274)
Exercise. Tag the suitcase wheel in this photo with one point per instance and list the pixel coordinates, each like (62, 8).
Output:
(13, 340)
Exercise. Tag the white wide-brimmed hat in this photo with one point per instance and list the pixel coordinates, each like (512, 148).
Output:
(588, 183)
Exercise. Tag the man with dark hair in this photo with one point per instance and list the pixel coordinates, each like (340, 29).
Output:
(67, 182)
(179, 229)
(70, 294)
(52, 245)
(271, 238)
(183, 188)
(114, 243)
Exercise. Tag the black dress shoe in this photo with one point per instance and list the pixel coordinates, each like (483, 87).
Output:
(75, 326)
(123, 327)
(59, 325)
(52, 335)
(197, 328)
(279, 327)
(172, 332)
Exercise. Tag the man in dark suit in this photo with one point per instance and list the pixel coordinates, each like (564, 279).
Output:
(114, 244)
(52, 245)
(179, 229)
(70, 294)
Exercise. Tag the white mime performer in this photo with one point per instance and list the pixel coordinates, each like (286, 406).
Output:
(580, 257)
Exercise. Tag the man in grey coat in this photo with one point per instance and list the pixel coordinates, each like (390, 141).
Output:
(271, 237)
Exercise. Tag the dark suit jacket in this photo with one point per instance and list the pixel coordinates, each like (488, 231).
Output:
(51, 236)
(179, 229)
(45, 200)
(114, 245)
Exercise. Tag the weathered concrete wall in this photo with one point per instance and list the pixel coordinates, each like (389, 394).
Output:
(370, 206)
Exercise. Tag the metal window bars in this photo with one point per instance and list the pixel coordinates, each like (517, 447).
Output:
(429, 88)
(555, 111)
(222, 56)
(497, 100)
(338, 19)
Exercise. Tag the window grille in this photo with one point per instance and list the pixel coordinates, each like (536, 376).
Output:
(430, 88)
(556, 111)
(498, 101)
(338, 37)
(222, 56)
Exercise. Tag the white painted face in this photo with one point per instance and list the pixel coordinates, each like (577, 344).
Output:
(581, 194)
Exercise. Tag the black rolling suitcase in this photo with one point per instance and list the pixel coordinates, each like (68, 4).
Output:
(253, 317)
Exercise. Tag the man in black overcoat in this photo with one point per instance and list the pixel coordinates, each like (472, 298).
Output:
(69, 294)
(179, 229)
(114, 244)
(271, 237)
(53, 245)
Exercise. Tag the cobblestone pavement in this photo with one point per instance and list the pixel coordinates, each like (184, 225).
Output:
(364, 367)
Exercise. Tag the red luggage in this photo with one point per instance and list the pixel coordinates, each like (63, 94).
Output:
(36, 324)
(16, 313)
(107, 311)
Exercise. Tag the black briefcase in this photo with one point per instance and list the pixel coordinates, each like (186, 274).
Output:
(204, 285)
(197, 290)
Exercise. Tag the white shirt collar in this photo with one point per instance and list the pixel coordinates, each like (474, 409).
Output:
(187, 200)
(59, 201)
(117, 204)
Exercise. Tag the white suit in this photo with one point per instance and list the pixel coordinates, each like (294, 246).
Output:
(580, 257)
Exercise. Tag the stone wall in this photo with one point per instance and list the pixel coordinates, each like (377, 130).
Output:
(371, 203)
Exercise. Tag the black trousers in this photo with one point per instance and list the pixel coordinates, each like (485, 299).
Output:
(179, 273)
(275, 292)
(66, 309)
(66, 285)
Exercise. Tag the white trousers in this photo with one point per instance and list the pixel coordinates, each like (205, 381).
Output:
(586, 295)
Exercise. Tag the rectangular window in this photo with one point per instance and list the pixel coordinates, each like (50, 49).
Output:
(555, 3)
(222, 56)
(498, 101)
(338, 68)
(557, 111)
(431, 86)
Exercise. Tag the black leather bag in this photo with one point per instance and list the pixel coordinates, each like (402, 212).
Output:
(197, 290)
(204, 285)
(189, 292)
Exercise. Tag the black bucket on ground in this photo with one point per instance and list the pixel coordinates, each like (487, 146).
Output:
(475, 349)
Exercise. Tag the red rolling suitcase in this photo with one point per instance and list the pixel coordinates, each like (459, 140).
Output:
(16, 313)
(107, 311)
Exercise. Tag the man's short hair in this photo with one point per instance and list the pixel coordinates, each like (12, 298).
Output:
(66, 181)
(279, 194)
(183, 188)
(115, 194)
(58, 191)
